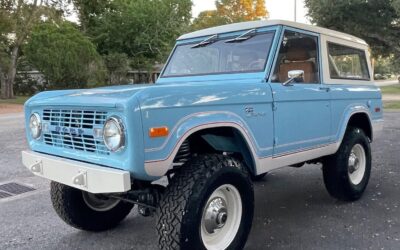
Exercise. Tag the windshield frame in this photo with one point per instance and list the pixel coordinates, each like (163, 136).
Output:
(220, 75)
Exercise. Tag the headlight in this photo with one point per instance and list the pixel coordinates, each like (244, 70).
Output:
(113, 134)
(35, 125)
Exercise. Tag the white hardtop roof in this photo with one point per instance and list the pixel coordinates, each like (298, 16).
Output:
(264, 23)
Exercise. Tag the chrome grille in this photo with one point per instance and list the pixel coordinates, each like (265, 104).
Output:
(73, 129)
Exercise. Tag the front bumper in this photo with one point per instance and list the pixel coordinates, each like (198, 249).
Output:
(88, 177)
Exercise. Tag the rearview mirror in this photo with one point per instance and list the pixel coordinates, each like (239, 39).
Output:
(294, 75)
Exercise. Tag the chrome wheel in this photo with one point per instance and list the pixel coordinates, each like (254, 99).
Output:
(221, 217)
(98, 202)
(357, 164)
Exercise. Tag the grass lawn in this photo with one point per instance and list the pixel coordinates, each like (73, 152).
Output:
(392, 105)
(17, 100)
(392, 89)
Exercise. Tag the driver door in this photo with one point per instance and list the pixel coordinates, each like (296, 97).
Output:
(302, 109)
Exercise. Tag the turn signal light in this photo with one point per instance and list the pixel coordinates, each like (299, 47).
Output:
(158, 132)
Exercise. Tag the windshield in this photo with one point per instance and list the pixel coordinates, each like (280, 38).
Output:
(220, 56)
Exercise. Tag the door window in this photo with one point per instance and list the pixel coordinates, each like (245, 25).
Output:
(297, 51)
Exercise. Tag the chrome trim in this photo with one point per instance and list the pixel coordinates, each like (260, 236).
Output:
(121, 130)
(40, 125)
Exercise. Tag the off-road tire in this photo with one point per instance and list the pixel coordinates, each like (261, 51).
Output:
(180, 210)
(69, 204)
(335, 167)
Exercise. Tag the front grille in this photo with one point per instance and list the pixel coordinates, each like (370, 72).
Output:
(73, 129)
(74, 118)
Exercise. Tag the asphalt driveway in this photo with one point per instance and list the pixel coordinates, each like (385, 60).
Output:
(293, 210)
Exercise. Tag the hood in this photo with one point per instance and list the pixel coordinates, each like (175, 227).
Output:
(104, 97)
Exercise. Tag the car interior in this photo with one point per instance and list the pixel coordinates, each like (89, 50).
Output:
(297, 52)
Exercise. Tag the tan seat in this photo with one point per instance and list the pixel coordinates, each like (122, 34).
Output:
(297, 59)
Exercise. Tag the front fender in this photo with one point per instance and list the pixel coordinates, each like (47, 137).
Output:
(159, 160)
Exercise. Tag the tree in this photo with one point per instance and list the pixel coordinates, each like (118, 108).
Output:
(17, 19)
(63, 54)
(117, 67)
(89, 10)
(376, 21)
(231, 11)
(143, 30)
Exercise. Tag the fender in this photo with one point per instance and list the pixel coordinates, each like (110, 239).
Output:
(347, 114)
(160, 159)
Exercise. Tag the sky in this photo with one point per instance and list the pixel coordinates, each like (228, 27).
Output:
(278, 9)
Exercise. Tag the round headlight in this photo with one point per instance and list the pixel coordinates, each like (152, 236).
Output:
(113, 134)
(35, 125)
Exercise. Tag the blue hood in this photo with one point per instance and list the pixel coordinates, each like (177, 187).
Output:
(98, 97)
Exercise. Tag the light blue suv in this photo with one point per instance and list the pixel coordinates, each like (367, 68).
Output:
(232, 103)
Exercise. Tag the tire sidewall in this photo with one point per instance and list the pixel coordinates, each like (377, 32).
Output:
(356, 136)
(190, 228)
(71, 207)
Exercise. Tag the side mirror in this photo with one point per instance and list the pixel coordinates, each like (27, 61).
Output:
(294, 75)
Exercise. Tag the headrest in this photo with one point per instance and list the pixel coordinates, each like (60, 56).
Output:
(297, 54)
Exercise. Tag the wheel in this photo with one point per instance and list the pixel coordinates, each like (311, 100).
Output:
(87, 211)
(259, 177)
(208, 204)
(346, 173)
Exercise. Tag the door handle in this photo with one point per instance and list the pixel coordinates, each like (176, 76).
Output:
(327, 89)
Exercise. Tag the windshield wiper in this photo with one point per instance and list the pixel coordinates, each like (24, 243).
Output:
(243, 37)
(206, 41)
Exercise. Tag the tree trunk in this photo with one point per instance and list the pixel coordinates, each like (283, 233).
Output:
(3, 86)
(11, 73)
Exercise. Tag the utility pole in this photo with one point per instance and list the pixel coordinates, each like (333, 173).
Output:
(295, 10)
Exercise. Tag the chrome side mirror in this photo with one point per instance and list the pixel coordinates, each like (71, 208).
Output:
(294, 75)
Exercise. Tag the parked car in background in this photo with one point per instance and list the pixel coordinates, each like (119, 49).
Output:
(232, 103)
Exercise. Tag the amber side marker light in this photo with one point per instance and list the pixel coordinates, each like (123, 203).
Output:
(158, 132)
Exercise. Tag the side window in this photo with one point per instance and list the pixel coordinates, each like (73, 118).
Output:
(297, 52)
(347, 63)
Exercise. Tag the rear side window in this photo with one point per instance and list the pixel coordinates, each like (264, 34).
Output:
(347, 63)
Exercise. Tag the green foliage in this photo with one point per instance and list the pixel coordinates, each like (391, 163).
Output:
(89, 10)
(376, 21)
(143, 30)
(17, 100)
(391, 105)
(230, 11)
(386, 65)
(117, 67)
(63, 54)
(392, 89)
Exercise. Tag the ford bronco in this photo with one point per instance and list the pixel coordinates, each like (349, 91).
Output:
(232, 103)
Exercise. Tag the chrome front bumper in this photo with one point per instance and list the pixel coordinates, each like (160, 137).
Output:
(88, 177)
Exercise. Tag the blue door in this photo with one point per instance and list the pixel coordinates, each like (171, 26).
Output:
(302, 112)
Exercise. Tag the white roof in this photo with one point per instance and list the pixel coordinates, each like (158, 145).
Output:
(264, 23)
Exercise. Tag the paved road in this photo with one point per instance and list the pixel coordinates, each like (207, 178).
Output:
(293, 210)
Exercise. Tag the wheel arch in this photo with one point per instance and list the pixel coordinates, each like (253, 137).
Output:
(205, 124)
(227, 139)
(356, 116)
(362, 121)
